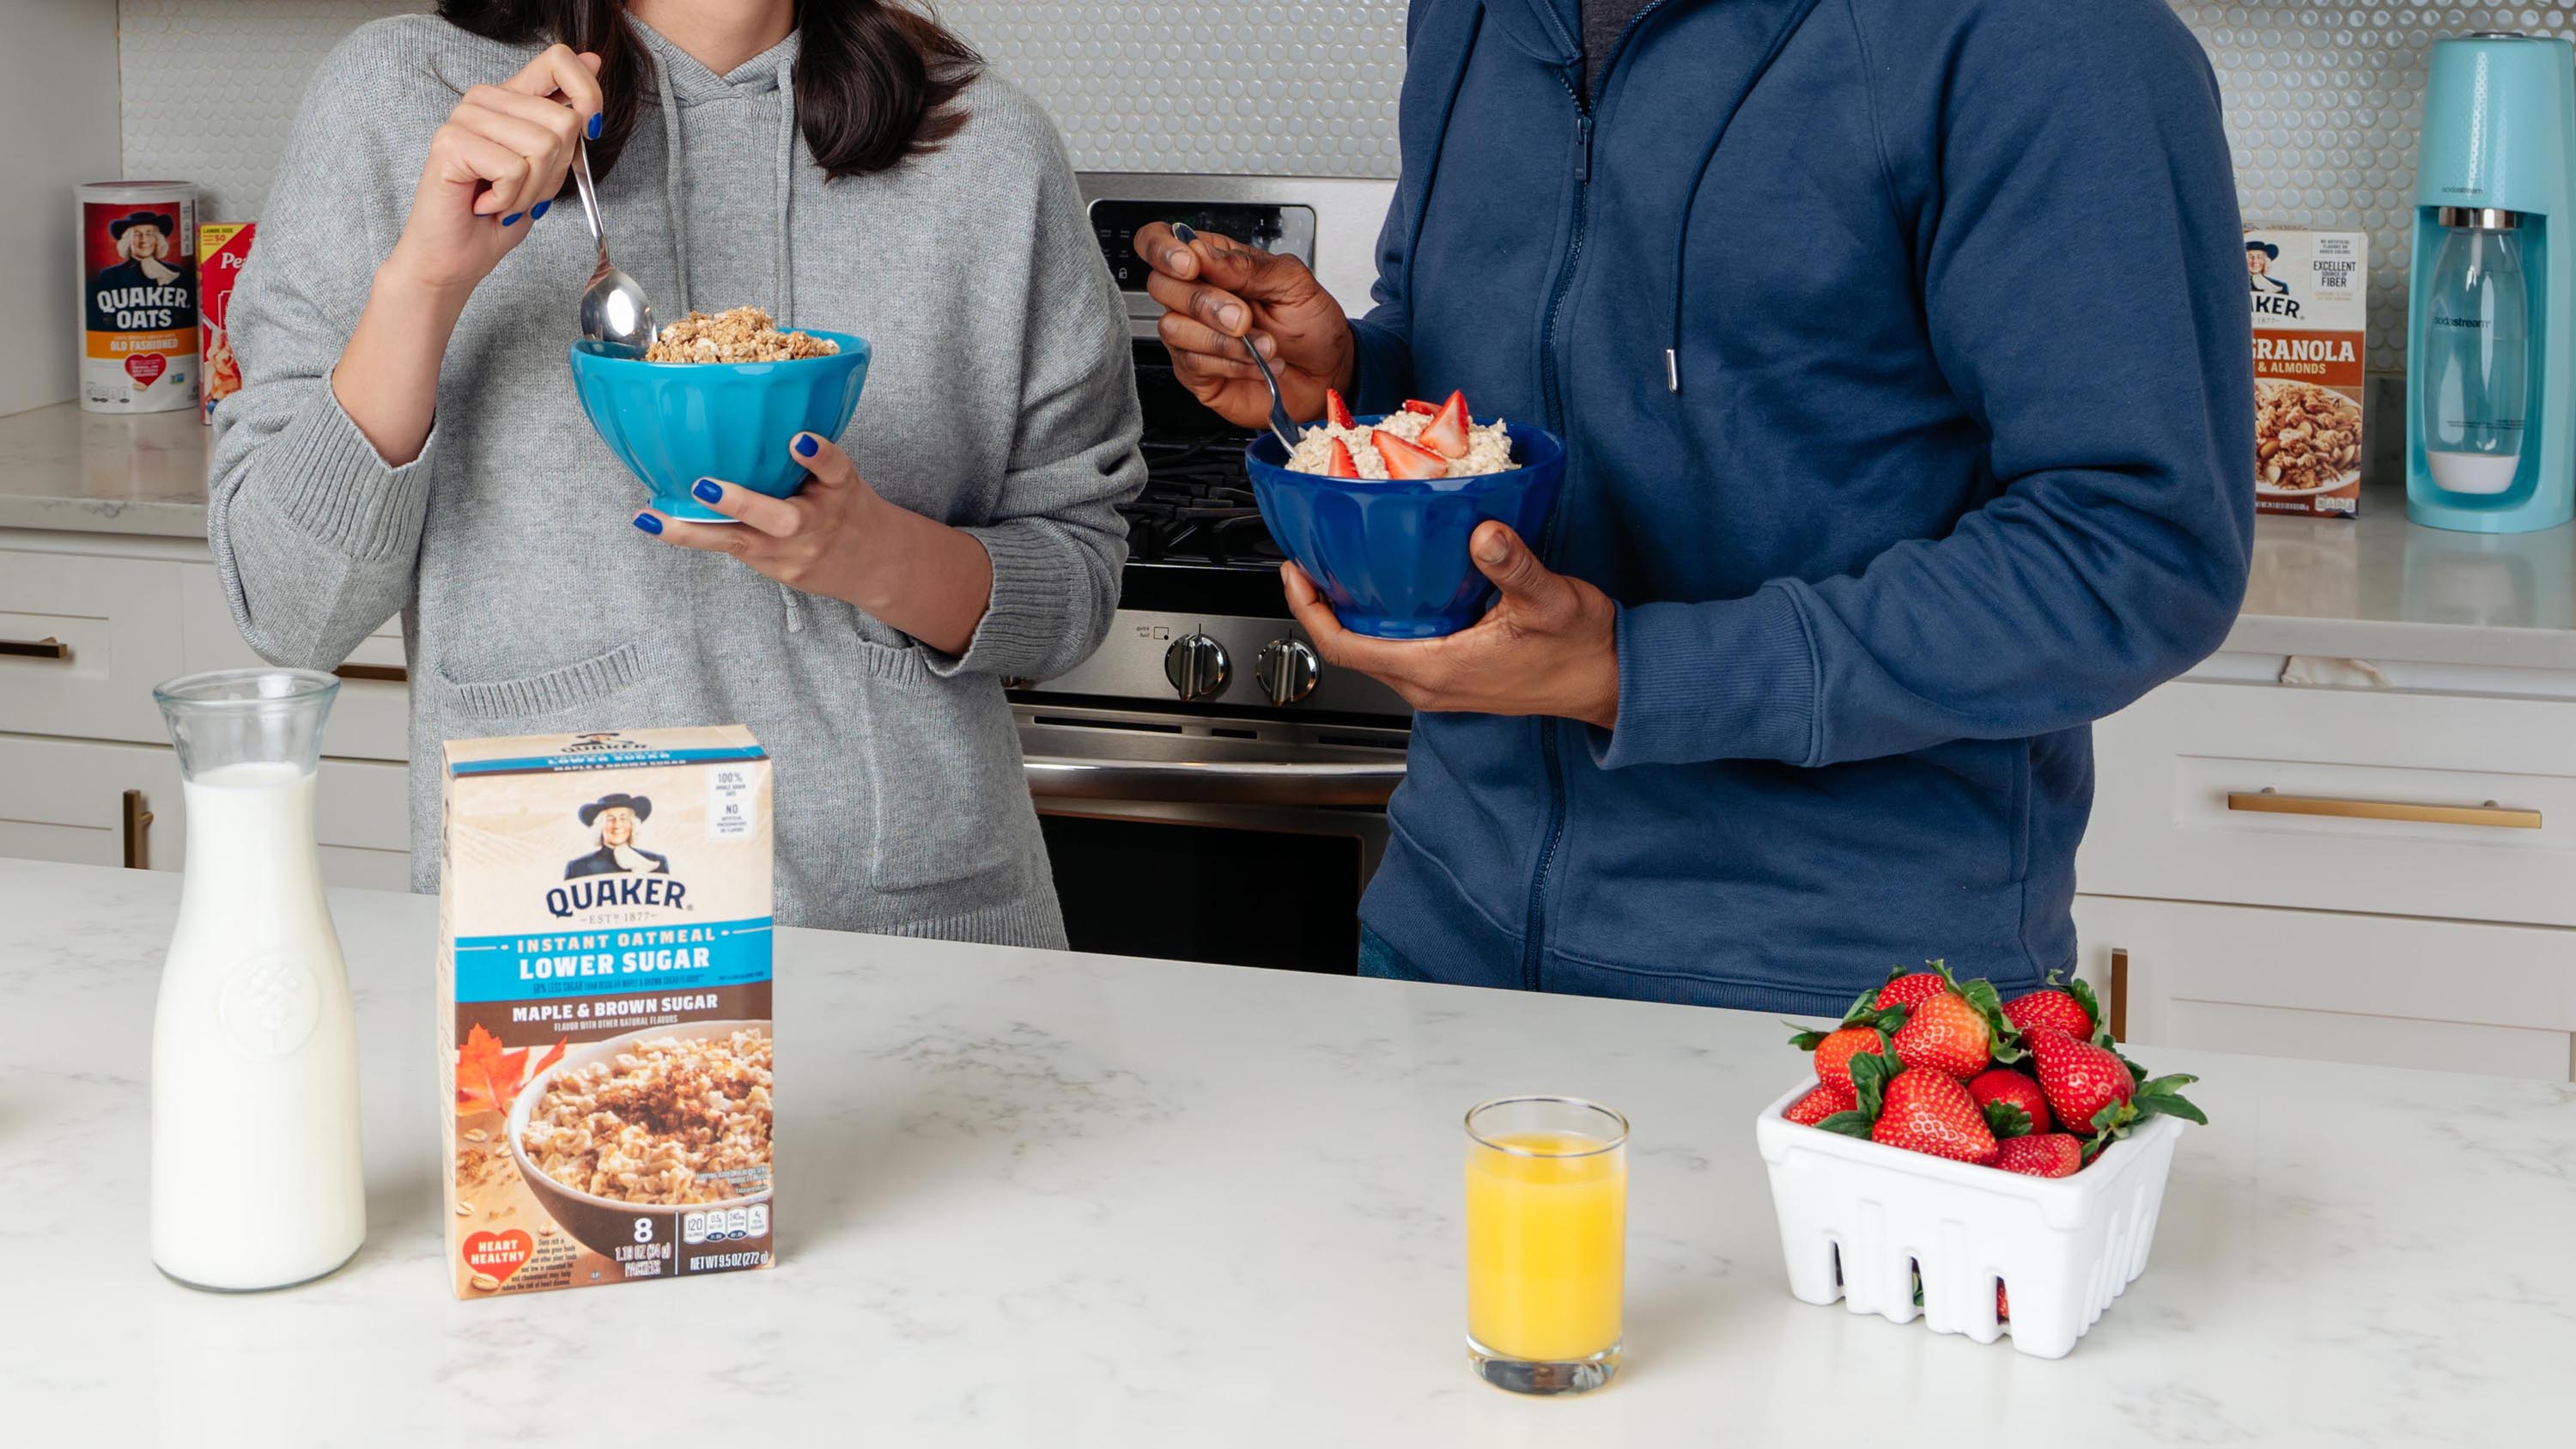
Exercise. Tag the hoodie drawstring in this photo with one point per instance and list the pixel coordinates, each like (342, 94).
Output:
(671, 178)
(786, 275)
(1690, 199)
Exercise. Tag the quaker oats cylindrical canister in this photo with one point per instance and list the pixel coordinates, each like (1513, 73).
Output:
(138, 258)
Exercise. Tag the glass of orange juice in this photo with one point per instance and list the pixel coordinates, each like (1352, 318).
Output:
(1547, 1242)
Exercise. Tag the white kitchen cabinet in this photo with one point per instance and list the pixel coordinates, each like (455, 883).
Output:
(2459, 996)
(102, 618)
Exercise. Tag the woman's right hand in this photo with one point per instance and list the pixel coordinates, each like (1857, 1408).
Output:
(1217, 292)
(495, 165)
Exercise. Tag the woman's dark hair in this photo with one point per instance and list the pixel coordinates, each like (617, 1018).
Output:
(875, 80)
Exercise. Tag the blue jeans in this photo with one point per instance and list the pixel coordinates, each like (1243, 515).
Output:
(1383, 961)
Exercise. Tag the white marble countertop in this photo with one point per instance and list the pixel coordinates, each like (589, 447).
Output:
(2374, 588)
(66, 469)
(1041, 1199)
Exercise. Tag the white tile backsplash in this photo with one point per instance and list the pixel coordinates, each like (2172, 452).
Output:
(2323, 96)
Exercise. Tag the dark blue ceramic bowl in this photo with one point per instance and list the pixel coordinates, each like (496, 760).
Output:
(673, 423)
(1391, 557)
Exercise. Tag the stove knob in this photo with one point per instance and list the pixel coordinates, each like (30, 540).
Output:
(1287, 670)
(1196, 665)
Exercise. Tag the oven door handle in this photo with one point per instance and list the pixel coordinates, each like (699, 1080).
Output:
(1360, 782)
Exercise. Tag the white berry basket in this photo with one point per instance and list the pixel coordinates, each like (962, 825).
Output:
(1858, 1220)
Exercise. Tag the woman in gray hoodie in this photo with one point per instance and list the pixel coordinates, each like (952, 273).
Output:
(407, 437)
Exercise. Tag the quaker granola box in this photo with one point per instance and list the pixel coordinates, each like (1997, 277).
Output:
(2309, 326)
(603, 1008)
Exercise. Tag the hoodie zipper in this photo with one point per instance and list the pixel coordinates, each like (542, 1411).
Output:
(1534, 929)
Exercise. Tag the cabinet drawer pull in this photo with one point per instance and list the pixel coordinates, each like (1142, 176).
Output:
(46, 648)
(2266, 801)
(137, 827)
(2119, 993)
(380, 673)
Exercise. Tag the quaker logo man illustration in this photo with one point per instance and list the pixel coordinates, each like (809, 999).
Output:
(616, 817)
(151, 284)
(2259, 257)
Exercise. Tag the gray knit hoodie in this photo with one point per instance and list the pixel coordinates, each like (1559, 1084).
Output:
(1000, 398)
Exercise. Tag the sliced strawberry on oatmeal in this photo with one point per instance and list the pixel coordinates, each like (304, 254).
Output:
(1337, 412)
(1417, 405)
(1344, 465)
(1447, 434)
(1408, 460)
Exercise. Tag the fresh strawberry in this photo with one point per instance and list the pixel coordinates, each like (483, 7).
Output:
(1447, 434)
(1417, 405)
(2071, 1009)
(1946, 1034)
(1910, 989)
(1929, 1111)
(1827, 1099)
(2013, 1103)
(1835, 1049)
(2087, 1086)
(2003, 1305)
(1408, 460)
(1336, 411)
(1342, 464)
(2047, 1154)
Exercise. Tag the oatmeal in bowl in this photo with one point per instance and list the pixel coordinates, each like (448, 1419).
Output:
(1418, 443)
(659, 1123)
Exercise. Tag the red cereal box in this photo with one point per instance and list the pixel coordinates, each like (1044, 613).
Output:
(222, 247)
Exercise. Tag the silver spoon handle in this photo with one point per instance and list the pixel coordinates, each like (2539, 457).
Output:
(1282, 426)
(589, 200)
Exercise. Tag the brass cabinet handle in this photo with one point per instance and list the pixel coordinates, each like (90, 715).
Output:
(2266, 801)
(46, 648)
(137, 830)
(2119, 993)
(381, 673)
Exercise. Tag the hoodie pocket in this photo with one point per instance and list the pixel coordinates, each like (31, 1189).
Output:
(536, 699)
(943, 760)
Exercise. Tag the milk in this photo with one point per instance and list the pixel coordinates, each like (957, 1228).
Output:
(256, 1180)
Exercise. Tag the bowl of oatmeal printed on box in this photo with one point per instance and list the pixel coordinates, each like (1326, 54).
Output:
(657, 1124)
(2307, 438)
(1378, 510)
(719, 396)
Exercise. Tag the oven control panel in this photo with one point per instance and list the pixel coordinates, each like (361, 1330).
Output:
(1154, 658)
(1285, 230)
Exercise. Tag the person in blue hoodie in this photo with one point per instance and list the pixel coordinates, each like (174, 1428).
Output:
(1862, 529)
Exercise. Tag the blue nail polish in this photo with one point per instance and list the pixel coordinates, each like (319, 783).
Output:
(592, 130)
(512, 219)
(1181, 232)
(806, 447)
(539, 209)
(709, 490)
(648, 523)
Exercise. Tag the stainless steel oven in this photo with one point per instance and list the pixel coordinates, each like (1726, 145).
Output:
(1209, 790)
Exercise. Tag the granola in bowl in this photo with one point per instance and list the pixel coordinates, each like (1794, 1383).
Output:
(741, 334)
(667, 1120)
(2306, 437)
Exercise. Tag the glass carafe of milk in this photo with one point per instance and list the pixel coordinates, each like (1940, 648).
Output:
(255, 1173)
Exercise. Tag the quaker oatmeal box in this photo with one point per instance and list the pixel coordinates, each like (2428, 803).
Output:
(604, 1008)
(2309, 327)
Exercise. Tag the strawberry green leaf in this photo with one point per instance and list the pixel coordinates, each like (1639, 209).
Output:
(2151, 1104)
(2007, 1119)
(1849, 1124)
(2093, 1145)
(1862, 1007)
(1807, 1041)
(2166, 1086)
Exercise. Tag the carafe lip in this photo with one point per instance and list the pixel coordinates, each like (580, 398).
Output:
(245, 690)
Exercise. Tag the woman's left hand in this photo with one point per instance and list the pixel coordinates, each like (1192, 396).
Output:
(817, 540)
(840, 538)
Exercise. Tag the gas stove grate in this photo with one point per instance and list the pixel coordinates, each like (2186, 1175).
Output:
(1197, 506)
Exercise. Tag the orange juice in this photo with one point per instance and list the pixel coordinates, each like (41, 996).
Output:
(1546, 1244)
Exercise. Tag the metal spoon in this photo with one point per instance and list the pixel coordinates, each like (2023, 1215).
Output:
(614, 310)
(1282, 426)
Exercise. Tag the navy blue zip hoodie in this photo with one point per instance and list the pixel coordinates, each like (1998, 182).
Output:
(1902, 351)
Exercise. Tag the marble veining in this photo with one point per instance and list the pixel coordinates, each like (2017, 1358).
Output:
(104, 473)
(1030, 1198)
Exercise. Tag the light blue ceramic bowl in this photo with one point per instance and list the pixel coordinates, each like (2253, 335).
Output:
(1391, 557)
(673, 423)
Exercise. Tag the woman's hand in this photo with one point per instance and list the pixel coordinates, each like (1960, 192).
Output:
(839, 538)
(493, 168)
(1549, 645)
(1217, 292)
